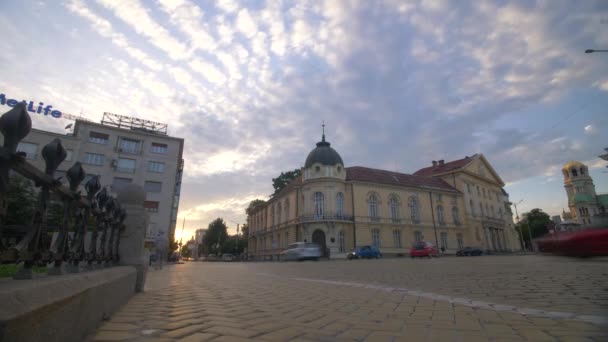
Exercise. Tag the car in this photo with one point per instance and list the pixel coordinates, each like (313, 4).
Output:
(466, 251)
(365, 252)
(301, 251)
(227, 257)
(584, 244)
(423, 249)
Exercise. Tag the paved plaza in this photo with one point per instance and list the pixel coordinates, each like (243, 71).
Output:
(489, 298)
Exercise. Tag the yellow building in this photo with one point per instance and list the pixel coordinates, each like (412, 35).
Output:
(454, 204)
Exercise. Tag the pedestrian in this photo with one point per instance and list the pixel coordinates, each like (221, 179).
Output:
(161, 243)
(442, 250)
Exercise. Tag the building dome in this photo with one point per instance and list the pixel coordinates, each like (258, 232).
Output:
(573, 164)
(323, 154)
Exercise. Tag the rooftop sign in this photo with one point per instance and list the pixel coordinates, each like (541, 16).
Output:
(39, 109)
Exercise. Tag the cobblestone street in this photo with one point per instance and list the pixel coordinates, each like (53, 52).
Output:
(490, 298)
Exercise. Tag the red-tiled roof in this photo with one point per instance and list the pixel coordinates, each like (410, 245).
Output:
(446, 167)
(364, 174)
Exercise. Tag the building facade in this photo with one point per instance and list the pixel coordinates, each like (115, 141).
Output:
(120, 156)
(587, 208)
(455, 204)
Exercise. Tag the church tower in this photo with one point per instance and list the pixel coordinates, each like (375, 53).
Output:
(580, 189)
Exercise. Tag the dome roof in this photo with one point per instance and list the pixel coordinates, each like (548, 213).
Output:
(323, 154)
(574, 164)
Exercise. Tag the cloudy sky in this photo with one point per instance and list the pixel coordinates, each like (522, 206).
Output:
(398, 83)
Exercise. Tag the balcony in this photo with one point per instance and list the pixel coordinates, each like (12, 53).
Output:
(492, 221)
(316, 218)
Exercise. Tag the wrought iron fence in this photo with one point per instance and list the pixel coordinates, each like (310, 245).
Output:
(75, 245)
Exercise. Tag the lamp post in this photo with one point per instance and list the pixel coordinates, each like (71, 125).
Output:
(521, 239)
(592, 51)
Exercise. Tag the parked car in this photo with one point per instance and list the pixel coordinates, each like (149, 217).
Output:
(587, 243)
(423, 249)
(466, 251)
(227, 257)
(301, 251)
(365, 252)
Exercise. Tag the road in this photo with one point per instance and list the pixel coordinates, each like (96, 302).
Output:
(489, 298)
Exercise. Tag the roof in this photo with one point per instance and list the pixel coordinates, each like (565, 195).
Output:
(446, 167)
(573, 163)
(581, 197)
(364, 174)
(323, 154)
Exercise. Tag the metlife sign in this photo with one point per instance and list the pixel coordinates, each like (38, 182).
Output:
(39, 109)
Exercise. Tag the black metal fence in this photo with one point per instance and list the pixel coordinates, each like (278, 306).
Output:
(75, 244)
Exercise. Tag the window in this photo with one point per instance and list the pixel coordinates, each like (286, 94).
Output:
(286, 210)
(438, 197)
(150, 186)
(468, 188)
(492, 210)
(376, 238)
(30, 150)
(99, 138)
(126, 145)
(279, 213)
(341, 241)
(286, 238)
(397, 238)
(455, 215)
(373, 207)
(118, 183)
(497, 197)
(318, 202)
(156, 167)
(460, 241)
(472, 208)
(272, 215)
(158, 148)
(418, 236)
(481, 208)
(413, 204)
(500, 212)
(478, 192)
(393, 204)
(69, 154)
(151, 206)
(444, 240)
(93, 158)
(340, 204)
(279, 240)
(125, 165)
(440, 215)
(574, 173)
(487, 210)
(484, 192)
(582, 171)
(87, 178)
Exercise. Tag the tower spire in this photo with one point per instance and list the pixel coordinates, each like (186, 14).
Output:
(323, 136)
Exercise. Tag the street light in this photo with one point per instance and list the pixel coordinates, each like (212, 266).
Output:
(521, 239)
(592, 51)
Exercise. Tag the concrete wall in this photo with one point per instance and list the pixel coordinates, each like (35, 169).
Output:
(65, 308)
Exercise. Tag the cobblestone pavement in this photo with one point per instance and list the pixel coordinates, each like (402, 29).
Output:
(490, 298)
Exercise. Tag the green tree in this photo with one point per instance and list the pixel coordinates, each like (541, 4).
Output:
(217, 233)
(284, 178)
(253, 205)
(245, 231)
(536, 221)
(21, 201)
(173, 246)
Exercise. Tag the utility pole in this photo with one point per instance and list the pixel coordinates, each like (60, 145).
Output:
(521, 239)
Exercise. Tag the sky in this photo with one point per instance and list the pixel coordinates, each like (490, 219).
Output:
(398, 84)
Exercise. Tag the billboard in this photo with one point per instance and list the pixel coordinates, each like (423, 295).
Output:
(40, 108)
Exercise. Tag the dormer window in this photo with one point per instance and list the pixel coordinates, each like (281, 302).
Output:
(339, 169)
(318, 168)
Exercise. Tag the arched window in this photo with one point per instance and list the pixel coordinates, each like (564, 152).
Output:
(279, 213)
(341, 241)
(393, 204)
(574, 173)
(397, 238)
(286, 210)
(318, 199)
(440, 214)
(340, 204)
(456, 215)
(414, 214)
(376, 238)
(418, 236)
(582, 171)
(373, 206)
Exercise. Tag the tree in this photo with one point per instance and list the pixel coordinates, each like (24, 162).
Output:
(253, 205)
(536, 221)
(245, 230)
(21, 201)
(217, 233)
(284, 178)
(173, 246)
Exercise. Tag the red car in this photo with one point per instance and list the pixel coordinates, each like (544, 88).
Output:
(587, 243)
(423, 249)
